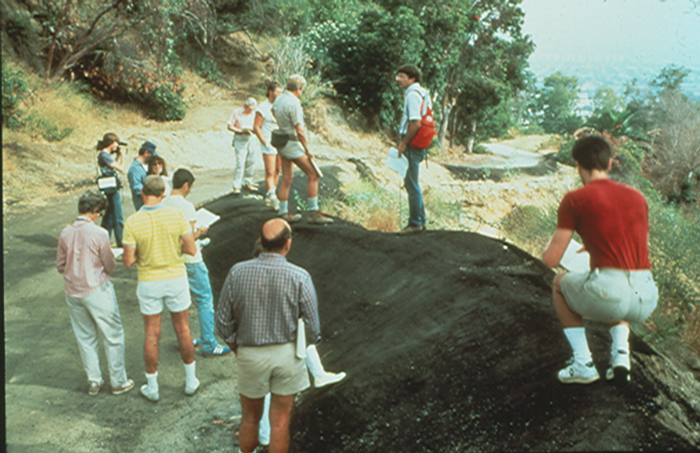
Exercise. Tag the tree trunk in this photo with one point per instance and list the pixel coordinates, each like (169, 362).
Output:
(446, 110)
(470, 141)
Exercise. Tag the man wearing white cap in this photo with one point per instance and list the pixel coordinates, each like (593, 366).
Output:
(241, 124)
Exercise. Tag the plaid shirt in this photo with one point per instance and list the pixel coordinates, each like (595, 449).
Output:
(84, 257)
(261, 301)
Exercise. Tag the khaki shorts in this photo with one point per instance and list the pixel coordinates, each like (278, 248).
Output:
(174, 293)
(274, 368)
(292, 150)
(611, 295)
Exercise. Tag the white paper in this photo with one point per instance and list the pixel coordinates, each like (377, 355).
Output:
(205, 218)
(301, 339)
(396, 163)
(316, 168)
(117, 252)
(573, 261)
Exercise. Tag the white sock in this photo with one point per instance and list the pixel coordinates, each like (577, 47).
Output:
(271, 194)
(152, 382)
(577, 339)
(189, 373)
(312, 203)
(313, 361)
(620, 335)
(284, 207)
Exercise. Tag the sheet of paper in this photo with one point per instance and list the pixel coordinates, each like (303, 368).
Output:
(316, 168)
(117, 252)
(573, 261)
(396, 163)
(205, 218)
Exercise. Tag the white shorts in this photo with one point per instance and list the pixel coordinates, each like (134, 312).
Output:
(268, 149)
(174, 293)
(292, 150)
(611, 295)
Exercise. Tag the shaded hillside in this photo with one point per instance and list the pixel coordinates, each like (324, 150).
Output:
(450, 344)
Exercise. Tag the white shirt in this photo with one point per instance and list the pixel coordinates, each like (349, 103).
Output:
(269, 123)
(288, 112)
(241, 119)
(187, 208)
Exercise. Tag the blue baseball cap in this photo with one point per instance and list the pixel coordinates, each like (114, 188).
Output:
(150, 147)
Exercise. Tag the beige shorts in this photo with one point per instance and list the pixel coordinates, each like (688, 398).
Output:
(292, 150)
(611, 295)
(274, 368)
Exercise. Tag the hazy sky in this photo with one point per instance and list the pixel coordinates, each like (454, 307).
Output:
(651, 33)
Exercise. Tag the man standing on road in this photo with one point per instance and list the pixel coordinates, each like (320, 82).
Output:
(612, 219)
(416, 103)
(265, 123)
(197, 272)
(241, 124)
(290, 118)
(137, 172)
(155, 237)
(85, 259)
(260, 303)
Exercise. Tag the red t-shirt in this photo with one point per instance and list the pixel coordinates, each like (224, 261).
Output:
(612, 219)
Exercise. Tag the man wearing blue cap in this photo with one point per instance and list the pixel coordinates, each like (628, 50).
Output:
(137, 172)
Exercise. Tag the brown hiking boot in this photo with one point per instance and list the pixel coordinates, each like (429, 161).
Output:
(318, 218)
(411, 229)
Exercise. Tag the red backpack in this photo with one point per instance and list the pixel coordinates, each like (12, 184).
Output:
(426, 133)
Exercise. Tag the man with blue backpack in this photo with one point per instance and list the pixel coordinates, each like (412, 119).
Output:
(416, 133)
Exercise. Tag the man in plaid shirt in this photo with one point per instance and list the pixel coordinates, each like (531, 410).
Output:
(259, 306)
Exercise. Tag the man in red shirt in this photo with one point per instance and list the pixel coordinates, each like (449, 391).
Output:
(612, 220)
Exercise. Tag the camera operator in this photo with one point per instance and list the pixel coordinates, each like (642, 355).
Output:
(110, 160)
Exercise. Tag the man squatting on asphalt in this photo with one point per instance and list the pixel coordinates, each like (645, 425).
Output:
(612, 219)
(259, 306)
(155, 237)
(85, 259)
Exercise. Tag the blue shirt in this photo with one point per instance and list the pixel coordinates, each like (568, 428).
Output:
(263, 298)
(136, 175)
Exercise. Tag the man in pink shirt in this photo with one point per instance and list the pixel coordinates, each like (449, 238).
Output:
(85, 259)
(612, 220)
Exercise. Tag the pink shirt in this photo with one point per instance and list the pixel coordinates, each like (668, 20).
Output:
(84, 257)
(241, 119)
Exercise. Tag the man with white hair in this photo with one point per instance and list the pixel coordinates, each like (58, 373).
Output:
(241, 124)
(290, 119)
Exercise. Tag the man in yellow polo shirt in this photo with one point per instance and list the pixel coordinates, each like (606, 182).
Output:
(155, 238)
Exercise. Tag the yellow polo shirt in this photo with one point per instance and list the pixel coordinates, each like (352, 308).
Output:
(155, 231)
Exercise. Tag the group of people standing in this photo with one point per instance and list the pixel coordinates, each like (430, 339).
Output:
(281, 113)
(110, 160)
(264, 298)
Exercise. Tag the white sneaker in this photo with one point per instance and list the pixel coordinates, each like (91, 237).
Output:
(153, 397)
(578, 373)
(192, 389)
(274, 203)
(619, 369)
(328, 379)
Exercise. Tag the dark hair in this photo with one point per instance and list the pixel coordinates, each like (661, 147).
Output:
(182, 176)
(592, 152)
(92, 201)
(153, 185)
(107, 140)
(272, 86)
(154, 160)
(411, 71)
(276, 243)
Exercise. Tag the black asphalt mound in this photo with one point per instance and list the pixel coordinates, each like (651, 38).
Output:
(450, 344)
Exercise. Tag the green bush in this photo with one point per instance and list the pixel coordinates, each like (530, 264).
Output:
(564, 154)
(14, 91)
(38, 126)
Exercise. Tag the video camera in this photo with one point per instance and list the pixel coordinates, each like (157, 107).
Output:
(122, 146)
